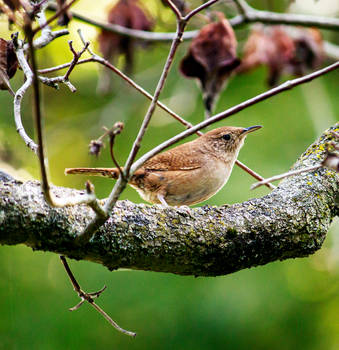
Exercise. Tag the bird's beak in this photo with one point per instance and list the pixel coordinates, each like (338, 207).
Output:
(250, 129)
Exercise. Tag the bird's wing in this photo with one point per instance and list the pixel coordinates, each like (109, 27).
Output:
(183, 158)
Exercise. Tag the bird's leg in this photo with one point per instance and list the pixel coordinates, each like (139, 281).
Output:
(162, 199)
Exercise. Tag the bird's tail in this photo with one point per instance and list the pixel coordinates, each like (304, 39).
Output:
(106, 172)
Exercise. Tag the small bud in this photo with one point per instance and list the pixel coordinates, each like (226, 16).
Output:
(95, 147)
(117, 128)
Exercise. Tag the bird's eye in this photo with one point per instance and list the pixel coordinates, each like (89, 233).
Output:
(226, 137)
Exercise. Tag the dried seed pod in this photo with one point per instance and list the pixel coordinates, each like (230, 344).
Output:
(95, 147)
(211, 59)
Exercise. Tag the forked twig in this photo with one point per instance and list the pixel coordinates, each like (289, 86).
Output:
(89, 297)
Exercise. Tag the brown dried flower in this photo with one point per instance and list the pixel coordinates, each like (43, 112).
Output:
(309, 51)
(8, 64)
(129, 14)
(283, 50)
(211, 59)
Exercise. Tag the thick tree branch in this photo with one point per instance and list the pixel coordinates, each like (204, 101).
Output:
(292, 221)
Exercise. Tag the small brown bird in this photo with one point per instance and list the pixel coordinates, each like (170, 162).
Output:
(187, 174)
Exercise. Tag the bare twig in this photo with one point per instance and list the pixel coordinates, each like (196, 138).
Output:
(47, 35)
(37, 114)
(137, 34)
(251, 16)
(332, 51)
(53, 82)
(116, 130)
(89, 297)
(150, 111)
(199, 9)
(63, 66)
(62, 9)
(174, 9)
(284, 175)
(330, 161)
(20, 53)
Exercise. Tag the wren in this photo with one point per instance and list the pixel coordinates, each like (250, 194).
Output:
(186, 174)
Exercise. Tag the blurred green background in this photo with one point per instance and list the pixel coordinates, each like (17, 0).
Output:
(284, 305)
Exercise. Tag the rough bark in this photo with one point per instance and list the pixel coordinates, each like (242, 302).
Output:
(291, 221)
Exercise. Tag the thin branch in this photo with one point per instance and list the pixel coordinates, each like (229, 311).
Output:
(174, 9)
(116, 130)
(20, 53)
(199, 9)
(53, 82)
(60, 11)
(89, 297)
(76, 56)
(233, 110)
(254, 174)
(137, 143)
(252, 16)
(137, 34)
(38, 116)
(63, 66)
(332, 51)
(284, 175)
(47, 35)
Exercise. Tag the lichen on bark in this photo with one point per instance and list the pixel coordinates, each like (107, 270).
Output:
(291, 221)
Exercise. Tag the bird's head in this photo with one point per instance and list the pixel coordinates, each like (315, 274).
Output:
(228, 140)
